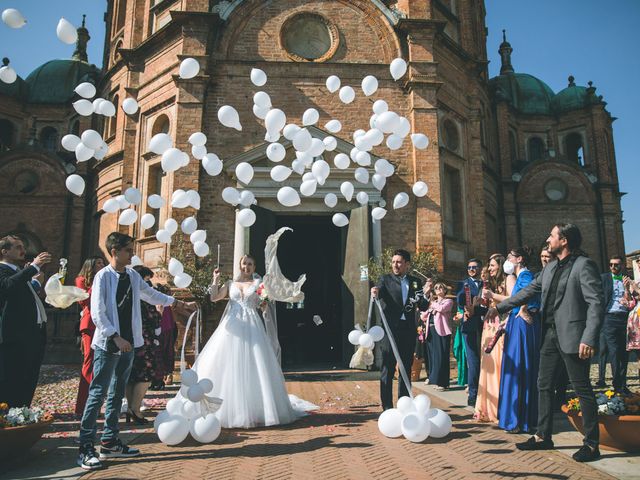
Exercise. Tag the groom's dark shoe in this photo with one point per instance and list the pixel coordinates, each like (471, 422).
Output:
(533, 444)
(586, 454)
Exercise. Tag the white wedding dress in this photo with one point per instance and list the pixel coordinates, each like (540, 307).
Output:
(240, 360)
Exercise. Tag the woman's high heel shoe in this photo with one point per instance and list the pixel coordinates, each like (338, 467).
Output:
(136, 419)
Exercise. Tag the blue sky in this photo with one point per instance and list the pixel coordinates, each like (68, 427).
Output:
(551, 40)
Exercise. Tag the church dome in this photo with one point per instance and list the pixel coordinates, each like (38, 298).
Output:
(574, 97)
(54, 81)
(17, 89)
(526, 93)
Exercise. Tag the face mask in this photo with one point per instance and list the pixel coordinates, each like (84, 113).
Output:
(508, 267)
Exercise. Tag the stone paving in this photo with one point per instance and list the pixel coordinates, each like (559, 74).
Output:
(340, 441)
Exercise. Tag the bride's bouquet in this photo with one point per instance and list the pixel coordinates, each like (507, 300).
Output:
(262, 293)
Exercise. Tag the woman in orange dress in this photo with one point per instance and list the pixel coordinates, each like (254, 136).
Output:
(486, 409)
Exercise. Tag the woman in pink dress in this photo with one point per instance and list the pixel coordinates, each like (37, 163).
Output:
(499, 286)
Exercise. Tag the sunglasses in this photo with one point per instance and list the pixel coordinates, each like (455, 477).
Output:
(472, 267)
(617, 265)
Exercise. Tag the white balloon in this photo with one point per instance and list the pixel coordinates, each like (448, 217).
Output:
(260, 112)
(354, 336)
(97, 105)
(70, 142)
(362, 175)
(317, 147)
(394, 142)
(308, 187)
(228, 116)
(171, 160)
(91, 139)
(375, 137)
(66, 32)
(247, 198)
(372, 120)
(198, 236)
(422, 404)
(83, 153)
(401, 200)
(333, 126)
(280, 173)
(415, 427)
(333, 83)
(369, 85)
(440, 424)
(231, 195)
(111, 206)
(378, 213)
(122, 202)
(8, 74)
(330, 200)
(173, 429)
(288, 197)
(420, 141)
(330, 144)
(262, 100)
(183, 280)
(347, 94)
(398, 68)
(387, 121)
(129, 106)
(147, 221)
(189, 68)
(107, 109)
(13, 18)
(405, 405)
(174, 406)
(128, 217)
(201, 249)
(189, 225)
(136, 260)
(244, 172)
(298, 166)
(191, 410)
(341, 161)
(378, 181)
(390, 423)
(155, 201)
(133, 196)
(404, 127)
(362, 144)
(246, 217)
(101, 152)
(258, 77)
(340, 220)
(163, 236)
(206, 384)
(176, 267)
(198, 151)
(383, 167)
(376, 332)
(379, 107)
(275, 120)
(290, 130)
(308, 176)
(305, 158)
(310, 117)
(346, 188)
(197, 139)
(420, 189)
(302, 140)
(362, 198)
(75, 184)
(366, 341)
(205, 429)
(160, 143)
(363, 159)
(189, 377)
(276, 152)
(83, 107)
(320, 170)
(212, 164)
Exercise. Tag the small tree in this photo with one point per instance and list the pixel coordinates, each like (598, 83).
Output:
(424, 262)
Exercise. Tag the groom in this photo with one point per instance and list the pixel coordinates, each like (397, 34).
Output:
(400, 295)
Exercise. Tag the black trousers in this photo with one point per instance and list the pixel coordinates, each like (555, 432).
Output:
(551, 358)
(20, 368)
(614, 331)
(405, 337)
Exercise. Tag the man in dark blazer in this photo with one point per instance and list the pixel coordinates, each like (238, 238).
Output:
(22, 323)
(572, 311)
(400, 295)
(471, 325)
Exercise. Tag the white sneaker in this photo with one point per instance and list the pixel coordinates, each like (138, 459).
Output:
(88, 458)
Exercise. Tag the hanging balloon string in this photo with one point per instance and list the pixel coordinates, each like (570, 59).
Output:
(196, 315)
(394, 347)
(369, 314)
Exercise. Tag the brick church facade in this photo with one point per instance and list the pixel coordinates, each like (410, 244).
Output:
(507, 158)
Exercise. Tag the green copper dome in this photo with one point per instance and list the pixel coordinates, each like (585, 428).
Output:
(54, 81)
(524, 92)
(575, 97)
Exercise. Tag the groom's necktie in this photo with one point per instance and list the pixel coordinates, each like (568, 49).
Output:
(42, 313)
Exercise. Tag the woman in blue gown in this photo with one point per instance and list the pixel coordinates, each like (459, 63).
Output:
(518, 401)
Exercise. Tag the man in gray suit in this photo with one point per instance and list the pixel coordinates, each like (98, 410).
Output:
(572, 311)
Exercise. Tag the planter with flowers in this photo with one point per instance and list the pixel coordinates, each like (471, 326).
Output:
(20, 429)
(618, 418)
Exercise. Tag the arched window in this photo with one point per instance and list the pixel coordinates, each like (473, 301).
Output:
(113, 121)
(160, 125)
(573, 147)
(6, 135)
(120, 15)
(116, 51)
(450, 135)
(49, 139)
(513, 147)
(536, 149)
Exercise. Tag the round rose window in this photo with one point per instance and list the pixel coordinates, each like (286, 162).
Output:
(308, 37)
(555, 190)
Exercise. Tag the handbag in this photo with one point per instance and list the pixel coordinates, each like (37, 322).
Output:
(494, 340)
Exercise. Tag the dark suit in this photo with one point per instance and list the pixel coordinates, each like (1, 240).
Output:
(613, 338)
(23, 340)
(404, 331)
(577, 317)
(471, 333)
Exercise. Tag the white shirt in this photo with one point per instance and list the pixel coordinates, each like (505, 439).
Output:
(104, 310)
(404, 284)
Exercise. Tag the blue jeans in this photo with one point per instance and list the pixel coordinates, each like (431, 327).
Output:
(110, 375)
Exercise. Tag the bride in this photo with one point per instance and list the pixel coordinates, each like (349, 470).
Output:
(241, 359)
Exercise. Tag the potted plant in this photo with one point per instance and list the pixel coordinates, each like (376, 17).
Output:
(618, 418)
(21, 428)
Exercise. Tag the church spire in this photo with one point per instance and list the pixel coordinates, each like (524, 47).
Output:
(81, 45)
(505, 55)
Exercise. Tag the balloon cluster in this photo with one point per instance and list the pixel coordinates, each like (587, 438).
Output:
(367, 340)
(415, 419)
(186, 415)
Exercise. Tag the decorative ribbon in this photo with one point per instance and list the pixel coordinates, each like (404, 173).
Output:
(363, 356)
(197, 315)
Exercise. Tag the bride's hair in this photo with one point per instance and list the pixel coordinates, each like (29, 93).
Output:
(245, 256)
